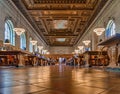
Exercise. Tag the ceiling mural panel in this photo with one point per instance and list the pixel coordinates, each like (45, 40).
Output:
(61, 22)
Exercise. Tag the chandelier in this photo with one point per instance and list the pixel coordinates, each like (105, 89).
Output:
(80, 47)
(44, 51)
(40, 47)
(99, 31)
(33, 42)
(19, 31)
(47, 52)
(86, 42)
(73, 52)
(76, 51)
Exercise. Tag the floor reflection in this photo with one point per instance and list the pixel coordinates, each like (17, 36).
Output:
(59, 79)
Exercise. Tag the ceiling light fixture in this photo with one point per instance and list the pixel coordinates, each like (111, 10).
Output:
(19, 31)
(99, 31)
(40, 47)
(47, 52)
(33, 42)
(76, 51)
(80, 47)
(86, 42)
(44, 51)
(73, 52)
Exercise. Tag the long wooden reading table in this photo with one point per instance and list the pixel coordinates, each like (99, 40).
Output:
(13, 57)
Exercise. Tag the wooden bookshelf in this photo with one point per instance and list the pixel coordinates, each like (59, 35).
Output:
(97, 58)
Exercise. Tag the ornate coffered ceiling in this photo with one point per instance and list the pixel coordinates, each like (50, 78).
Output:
(64, 20)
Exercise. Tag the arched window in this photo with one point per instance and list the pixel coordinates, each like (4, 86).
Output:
(23, 41)
(110, 29)
(9, 33)
(30, 45)
(36, 48)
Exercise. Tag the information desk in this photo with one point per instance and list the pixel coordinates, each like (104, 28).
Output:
(97, 58)
(13, 57)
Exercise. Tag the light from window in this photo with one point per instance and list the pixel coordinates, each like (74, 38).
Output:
(23, 41)
(30, 45)
(110, 29)
(9, 33)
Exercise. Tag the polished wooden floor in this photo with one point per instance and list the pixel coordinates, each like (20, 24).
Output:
(59, 79)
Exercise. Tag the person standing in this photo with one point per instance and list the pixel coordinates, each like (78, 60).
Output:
(60, 60)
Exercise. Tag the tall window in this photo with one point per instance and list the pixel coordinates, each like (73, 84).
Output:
(110, 29)
(36, 49)
(23, 41)
(9, 33)
(30, 45)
